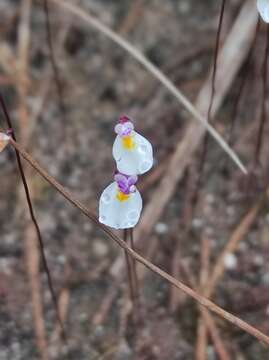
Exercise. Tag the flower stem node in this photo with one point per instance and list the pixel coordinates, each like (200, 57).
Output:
(4, 140)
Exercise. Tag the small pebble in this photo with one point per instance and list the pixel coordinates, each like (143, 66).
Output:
(161, 228)
(83, 317)
(61, 259)
(230, 261)
(265, 278)
(184, 7)
(99, 248)
(197, 223)
(258, 260)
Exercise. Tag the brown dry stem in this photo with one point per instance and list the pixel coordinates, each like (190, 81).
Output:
(30, 240)
(201, 300)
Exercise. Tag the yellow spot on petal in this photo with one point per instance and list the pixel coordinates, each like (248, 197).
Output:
(128, 142)
(121, 196)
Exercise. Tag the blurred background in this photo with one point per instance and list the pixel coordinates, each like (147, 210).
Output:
(185, 226)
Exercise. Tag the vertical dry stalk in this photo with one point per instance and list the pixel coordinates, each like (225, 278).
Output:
(135, 274)
(215, 335)
(54, 64)
(129, 268)
(202, 340)
(30, 240)
(202, 334)
(32, 262)
(132, 17)
(213, 92)
(264, 95)
(31, 252)
(242, 85)
(32, 246)
(210, 326)
(132, 275)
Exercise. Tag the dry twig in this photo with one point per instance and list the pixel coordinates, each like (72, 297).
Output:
(30, 241)
(206, 323)
(251, 330)
(132, 17)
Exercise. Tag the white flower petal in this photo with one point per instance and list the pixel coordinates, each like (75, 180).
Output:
(134, 161)
(119, 214)
(263, 8)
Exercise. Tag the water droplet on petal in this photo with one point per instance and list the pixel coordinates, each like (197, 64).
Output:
(133, 214)
(106, 198)
(145, 166)
(142, 149)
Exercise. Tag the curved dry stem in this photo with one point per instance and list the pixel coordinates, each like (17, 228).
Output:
(33, 218)
(53, 60)
(213, 92)
(179, 285)
(263, 117)
(94, 22)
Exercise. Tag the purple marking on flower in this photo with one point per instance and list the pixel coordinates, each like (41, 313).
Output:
(126, 183)
(124, 129)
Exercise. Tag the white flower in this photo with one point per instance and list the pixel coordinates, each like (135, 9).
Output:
(263, 8)
(4, 140)
(120, 204)
(132, 152)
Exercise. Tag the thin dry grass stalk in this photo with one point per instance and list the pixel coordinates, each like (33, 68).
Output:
(53, 61)
(242, 85)
(264, 114)
(251, 330)
(25, 127)
(207, 320)
(206, 324)
(105, 306)
(215, 335)
(130, 269)
(132, 17)
(202, 333)
(30, 241)
(94, 22)
(212, 96)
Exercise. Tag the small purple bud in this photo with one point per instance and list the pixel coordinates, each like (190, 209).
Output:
(123, 119)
